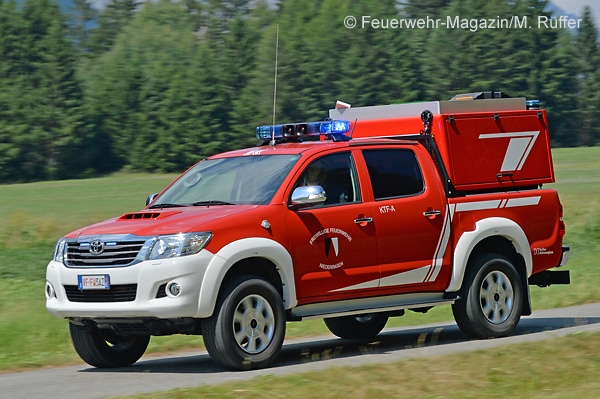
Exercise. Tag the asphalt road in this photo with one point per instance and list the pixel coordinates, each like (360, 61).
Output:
(192, 369)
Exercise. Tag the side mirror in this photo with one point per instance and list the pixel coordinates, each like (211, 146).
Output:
(151, 198)
(306, 196)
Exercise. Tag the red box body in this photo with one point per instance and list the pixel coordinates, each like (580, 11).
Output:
(485, 144)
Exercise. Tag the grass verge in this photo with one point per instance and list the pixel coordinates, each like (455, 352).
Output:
(566, 368)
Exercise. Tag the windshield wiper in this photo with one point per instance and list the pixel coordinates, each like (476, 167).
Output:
(211, 202)
(160, 206)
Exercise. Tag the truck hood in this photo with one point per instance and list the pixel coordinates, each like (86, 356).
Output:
(167, 221)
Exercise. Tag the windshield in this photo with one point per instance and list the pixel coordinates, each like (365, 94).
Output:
(239, 180)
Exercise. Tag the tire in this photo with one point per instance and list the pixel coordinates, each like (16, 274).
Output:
(491, 300)
(104, 348)
(357, 327)
(247, 328)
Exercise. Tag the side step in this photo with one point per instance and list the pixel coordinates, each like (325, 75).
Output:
(371, 305)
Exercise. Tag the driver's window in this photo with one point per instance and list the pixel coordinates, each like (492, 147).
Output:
(336, 174)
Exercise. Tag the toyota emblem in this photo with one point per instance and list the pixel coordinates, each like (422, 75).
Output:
(96, 247)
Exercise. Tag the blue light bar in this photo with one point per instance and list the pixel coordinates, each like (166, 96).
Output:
(304, 129)
(335, 127)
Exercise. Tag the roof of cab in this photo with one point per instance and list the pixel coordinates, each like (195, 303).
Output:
(284, 148)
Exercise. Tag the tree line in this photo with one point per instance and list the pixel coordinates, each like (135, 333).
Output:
(157, 86)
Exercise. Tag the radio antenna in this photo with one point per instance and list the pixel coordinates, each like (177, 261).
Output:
(275, 86)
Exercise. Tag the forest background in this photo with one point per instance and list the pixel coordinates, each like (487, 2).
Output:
(156, 86)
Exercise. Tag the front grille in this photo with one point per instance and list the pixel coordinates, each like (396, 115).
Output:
(116, 293)
(113, 254)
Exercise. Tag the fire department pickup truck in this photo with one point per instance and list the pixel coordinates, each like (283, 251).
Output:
(355, 219)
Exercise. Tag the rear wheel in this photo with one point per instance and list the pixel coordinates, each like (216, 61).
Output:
(491, 300)
(355, 327)
(247, 328)
(105, 348)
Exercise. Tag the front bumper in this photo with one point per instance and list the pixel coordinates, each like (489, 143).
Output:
(149, 279)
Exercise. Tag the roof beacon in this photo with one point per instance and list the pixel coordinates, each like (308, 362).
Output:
(298, 131)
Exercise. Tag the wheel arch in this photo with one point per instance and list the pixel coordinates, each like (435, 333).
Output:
(498, 235)
(256, 256)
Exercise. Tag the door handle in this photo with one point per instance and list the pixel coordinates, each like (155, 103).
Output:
(363, 221)
(432, 214)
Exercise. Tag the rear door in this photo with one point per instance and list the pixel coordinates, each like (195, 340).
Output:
(411, 219)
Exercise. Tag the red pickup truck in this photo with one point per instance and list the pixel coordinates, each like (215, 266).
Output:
(355, 219)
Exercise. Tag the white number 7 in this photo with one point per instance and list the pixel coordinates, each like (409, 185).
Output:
(519, 146)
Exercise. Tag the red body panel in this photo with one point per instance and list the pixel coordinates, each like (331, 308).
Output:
(488, 150)
(535, 211)
(182, 220)
(481, 150)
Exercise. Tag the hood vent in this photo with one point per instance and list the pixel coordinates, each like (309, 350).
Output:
(140, 215)
(147, 215)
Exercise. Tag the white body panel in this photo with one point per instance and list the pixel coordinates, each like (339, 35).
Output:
(239, 250)
(199, 276)
(187, 271)
(485, 228)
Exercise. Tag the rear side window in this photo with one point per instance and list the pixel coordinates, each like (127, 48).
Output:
(394, 173)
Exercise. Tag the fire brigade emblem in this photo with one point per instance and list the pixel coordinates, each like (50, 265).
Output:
(332, 245)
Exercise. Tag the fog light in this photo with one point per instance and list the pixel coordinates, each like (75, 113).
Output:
(174, 289)
(50, 293)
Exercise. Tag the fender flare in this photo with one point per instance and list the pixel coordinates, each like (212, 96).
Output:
(236, 251)
(485, 228)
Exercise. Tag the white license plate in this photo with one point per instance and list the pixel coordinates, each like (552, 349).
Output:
(96, 282)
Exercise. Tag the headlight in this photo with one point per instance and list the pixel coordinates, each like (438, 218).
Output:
(178, 245)
(59, 250)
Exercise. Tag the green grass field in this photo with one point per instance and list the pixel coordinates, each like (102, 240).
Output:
(34, 216)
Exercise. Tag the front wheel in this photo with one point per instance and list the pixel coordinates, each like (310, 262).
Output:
(247, 328)
(357, 327)
(105, 348)
(491, 300)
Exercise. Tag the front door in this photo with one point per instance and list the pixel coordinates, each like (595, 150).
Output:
(333, 245)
